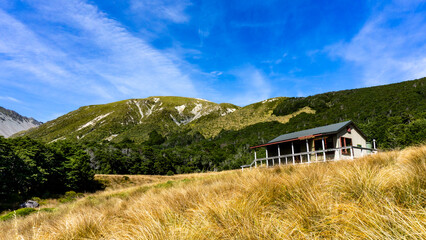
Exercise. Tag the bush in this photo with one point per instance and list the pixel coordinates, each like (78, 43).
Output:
(18, 213)
(70, 196)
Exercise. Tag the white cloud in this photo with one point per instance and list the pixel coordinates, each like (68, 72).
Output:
(172, 10)
(216, 73)
(12, 99)
(390, 47)
(95, 57)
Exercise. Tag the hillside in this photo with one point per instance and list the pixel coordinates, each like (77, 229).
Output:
(377, 197)
(394, 114)
(134, 118)
(11, 122)
(161, 135)
(260, 112)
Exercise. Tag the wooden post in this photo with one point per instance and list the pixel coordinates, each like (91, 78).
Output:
(255, 158)
(323, 149)
(374, 144)
(352, 152)
(267, 160)
(307, 151)
(292, 151)
(338, 149)
(279, 154)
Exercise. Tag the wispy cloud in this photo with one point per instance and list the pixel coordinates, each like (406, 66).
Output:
(96, 57)
(390, 47)
(172, 10)
(12, 99)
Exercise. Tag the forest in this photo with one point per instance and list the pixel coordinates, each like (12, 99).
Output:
(29, 168)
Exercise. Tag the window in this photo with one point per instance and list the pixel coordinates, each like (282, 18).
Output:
(328, 142)
(345, 142)
(318, 144)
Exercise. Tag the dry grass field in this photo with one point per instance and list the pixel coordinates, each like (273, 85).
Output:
(382, 196)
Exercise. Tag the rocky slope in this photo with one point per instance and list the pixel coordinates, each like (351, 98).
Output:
(11, 122)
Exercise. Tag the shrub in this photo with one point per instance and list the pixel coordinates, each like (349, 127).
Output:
(18, 213)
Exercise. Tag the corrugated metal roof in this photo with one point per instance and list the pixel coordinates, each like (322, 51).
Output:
(329, 129)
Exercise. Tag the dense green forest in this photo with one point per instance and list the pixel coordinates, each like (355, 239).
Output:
(29, 168)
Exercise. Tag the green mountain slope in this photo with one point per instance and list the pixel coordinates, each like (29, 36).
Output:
(164, 135)
(394, 114)
(133, 118)
(246, 116)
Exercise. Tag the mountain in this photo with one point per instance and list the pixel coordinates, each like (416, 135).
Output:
(135, 118)
(11, 122)
(166, 135)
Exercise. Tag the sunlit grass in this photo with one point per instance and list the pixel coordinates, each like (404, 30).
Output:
(381, 196)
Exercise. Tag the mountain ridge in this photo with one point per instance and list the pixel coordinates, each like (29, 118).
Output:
(12, 122)
(135, 118)
(192, 135)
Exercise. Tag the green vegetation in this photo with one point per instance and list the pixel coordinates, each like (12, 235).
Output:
(23, 212)
(395, 114)
(70, 196)
(174, 135)
(29, 168)
(18, 213)
(126, 120)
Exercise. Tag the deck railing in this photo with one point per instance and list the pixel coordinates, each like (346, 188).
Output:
(350, 152)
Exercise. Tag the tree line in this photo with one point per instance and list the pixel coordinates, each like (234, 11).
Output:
(31, 168)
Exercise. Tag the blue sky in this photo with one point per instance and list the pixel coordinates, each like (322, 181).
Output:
(56, 56)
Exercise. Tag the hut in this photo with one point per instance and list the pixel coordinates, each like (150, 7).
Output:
(337, 141)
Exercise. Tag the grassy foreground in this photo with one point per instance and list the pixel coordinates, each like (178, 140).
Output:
(382, 196)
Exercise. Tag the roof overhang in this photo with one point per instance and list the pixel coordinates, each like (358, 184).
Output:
(288, 140)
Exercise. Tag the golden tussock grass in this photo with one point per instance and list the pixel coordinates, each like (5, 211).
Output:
(381, 196)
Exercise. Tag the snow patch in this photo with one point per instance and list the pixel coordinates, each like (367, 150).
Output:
(140, 111)
(149, 110)
(270, 100)
(78, 137)
(201, 99)
(228, 111)
(180, 108)
(94, 121)
(197, 112)
(111, 137)
(197, 109)
(54, 140)
(174, 120)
